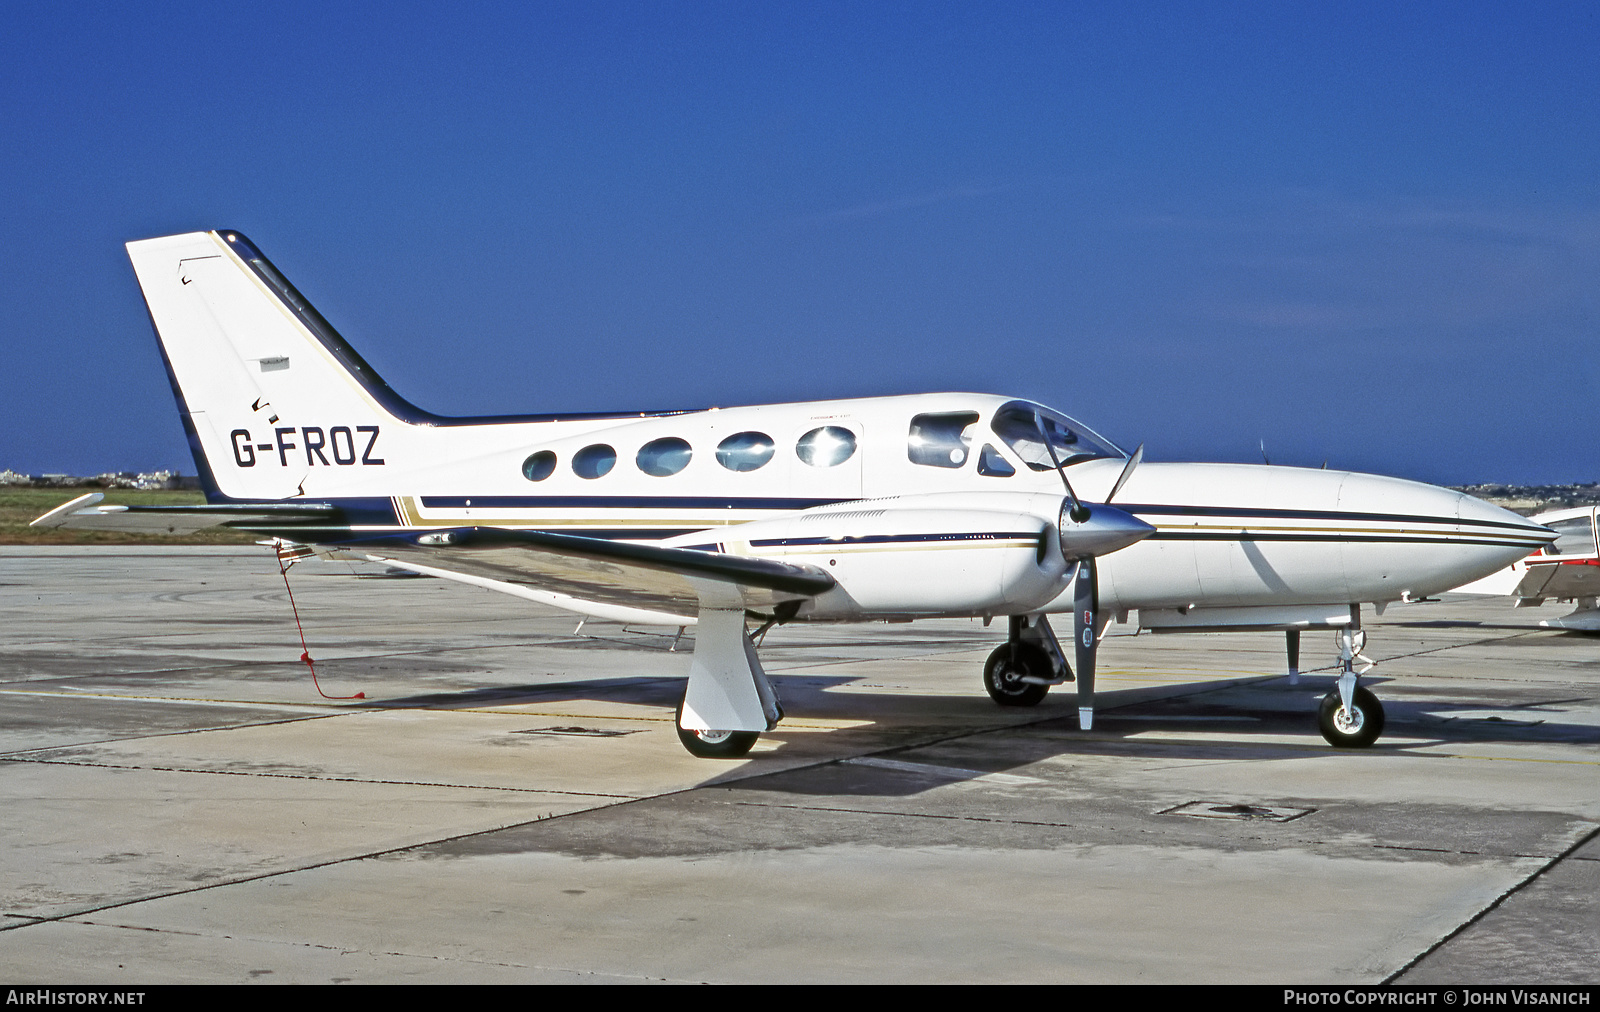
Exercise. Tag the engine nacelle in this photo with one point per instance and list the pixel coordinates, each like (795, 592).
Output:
(917, 555)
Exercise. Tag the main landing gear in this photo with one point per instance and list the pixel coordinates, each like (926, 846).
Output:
(727, 701)
(715, 744)
(1022, 669)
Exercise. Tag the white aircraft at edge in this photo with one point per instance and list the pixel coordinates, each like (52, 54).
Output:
(884, 508)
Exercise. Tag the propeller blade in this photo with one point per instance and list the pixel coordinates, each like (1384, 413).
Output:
(1079, 514)
(1127, 472)
(1085, 602)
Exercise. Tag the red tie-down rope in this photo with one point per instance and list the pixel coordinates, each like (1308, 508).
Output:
(305, 651)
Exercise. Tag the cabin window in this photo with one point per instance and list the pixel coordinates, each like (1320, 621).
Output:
(745, 451)
(828, 446)
(662, 457)
(941, 440)
(539, 466)
(1018, 424)
(594, 461)
(992, 464)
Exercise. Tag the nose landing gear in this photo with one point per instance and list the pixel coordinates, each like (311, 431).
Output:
(1351, 716)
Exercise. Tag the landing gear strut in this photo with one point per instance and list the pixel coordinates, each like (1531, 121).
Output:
(1350, 716)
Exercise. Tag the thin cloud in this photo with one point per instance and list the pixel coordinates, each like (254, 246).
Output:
(910, 202)
(1315, 262)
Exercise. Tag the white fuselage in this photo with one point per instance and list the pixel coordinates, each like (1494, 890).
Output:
(1227, 535)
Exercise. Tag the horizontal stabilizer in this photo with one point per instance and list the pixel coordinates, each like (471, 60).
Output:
(87, 513)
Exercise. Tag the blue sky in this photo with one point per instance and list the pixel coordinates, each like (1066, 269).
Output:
(1362, 233)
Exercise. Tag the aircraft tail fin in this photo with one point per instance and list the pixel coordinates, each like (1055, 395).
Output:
(275, 403)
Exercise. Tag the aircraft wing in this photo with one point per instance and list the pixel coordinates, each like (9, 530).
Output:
(1559, 578)
(670, 581)
(566, 570)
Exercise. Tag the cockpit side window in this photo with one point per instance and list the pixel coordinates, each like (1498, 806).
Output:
(1016, 424)
(941, 440)
(993, 464)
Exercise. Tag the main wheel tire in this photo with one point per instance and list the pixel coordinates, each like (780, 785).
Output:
(714, 744)
(1007, 666)
(1357, 729)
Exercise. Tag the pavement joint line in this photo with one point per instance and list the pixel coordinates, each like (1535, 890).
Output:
(1514, 759)
(1495, 904)
(920, 815)
(955, 773)
(1457, 646)
(20, 754)
(347, 949)
(335, 780)
(357, 655)
(279, 872)
(179, 700)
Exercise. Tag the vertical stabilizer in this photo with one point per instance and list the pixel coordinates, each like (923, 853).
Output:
(275, 403)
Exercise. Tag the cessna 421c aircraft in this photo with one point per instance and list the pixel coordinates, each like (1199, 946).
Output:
(884, 508)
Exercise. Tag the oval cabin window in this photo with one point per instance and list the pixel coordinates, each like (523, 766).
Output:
(745, 451)
(662, 457)
(594, 461)
(539, 466)
(828, 446)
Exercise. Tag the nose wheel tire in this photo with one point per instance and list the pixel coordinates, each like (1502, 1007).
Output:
(1007, 666)
(1357, 728)
(715, 744)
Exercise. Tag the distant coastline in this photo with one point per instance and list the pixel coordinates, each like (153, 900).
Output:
(1531, 499)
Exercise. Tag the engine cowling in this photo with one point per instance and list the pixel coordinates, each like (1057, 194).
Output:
(919, 556)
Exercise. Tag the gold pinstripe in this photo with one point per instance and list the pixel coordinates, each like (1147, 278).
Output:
(408, 508)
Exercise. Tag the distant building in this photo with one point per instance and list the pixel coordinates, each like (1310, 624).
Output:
(109, 479)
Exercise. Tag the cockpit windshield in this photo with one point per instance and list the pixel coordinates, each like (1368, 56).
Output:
(1018, 424)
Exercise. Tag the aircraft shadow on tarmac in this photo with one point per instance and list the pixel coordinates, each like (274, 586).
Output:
(1214, 728)
(1233, 721)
